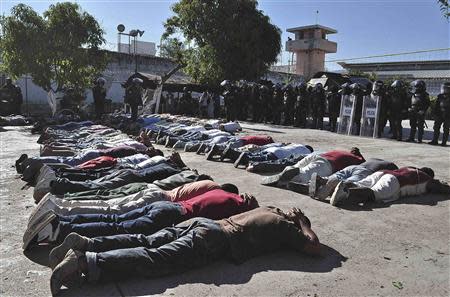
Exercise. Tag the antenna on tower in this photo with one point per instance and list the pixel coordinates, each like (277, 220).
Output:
(317, 17)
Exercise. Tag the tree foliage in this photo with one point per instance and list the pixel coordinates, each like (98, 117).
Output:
(59, 49)
(230, 39)
(445, 6)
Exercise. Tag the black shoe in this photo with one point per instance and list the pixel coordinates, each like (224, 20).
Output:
(433, 142)
(201, 149)
(212, 152)
(444, 144)
(242, 159)
(226, 153)
(298, 188)
(410, 140)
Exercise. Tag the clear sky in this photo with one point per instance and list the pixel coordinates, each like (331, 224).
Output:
(365, 27)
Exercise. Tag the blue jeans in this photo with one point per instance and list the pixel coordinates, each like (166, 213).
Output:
(145, 220)
(190, 244)
(352, 173)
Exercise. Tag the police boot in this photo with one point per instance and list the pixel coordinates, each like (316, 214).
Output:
(420, 136)
(444, 139)
(435, 138)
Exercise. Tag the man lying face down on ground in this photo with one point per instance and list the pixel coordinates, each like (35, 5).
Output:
(150, 194)
(296, 177)
(214, 204)
(152, 169)
(387, 186)
(190, 244)
(322, 187)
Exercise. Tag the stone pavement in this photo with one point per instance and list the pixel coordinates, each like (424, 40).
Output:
(399, 249)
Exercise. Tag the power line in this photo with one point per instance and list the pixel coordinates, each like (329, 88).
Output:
(390, 55)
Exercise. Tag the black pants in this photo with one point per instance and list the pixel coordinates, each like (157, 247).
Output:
(188, 245)
(397, 129)
(115, 180)
(333, 121)
(274, 165)
(417, 123)
(437, 126)
(134, 112)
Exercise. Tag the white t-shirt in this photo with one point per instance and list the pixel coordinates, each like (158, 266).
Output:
(288, 150)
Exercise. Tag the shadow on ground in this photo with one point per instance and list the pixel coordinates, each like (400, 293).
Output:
(219, 273)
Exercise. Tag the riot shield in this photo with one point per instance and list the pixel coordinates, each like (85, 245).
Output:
(346, 115)
(370, 116)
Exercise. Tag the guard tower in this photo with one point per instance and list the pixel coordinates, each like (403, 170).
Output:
(310, 46)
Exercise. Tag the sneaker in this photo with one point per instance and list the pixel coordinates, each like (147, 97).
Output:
(242, 159)
(45, 205)
(326, 190)
(32, 232)
(68, 272)
(271, 180)
(340, 194)
(201, 149)
(315, 183)
(73, 241)
(212, 152)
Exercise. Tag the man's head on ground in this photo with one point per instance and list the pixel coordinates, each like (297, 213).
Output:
(296, 215)
(309, 148)
(152, 152)
(230, 188)
(250, 201)
(428, 171)
(355, 151)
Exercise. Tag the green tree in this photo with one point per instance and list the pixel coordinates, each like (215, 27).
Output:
(231, 39)
(445, 6)
(59, 49)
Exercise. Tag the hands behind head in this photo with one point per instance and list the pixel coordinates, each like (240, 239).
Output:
(250, 200)
(298, 217)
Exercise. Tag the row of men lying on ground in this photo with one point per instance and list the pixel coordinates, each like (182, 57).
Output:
(95, 237)
(180, 221)
(374, 179)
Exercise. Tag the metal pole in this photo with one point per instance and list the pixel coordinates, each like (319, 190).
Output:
(26, 94)
(135, 57)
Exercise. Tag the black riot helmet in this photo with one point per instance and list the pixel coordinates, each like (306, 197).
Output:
(345, 89)
(8, 81)
(318, 87)
(356, 88)
(397, 85)
(302, 86)
(418, 86)
(378, 87)
(334, 89)
(445, 88)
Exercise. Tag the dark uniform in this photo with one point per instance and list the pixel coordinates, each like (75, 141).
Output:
(441, 113)
(288, 105)
(420, 102)
(380, 91)
(133, 97)
(266, 103)
(277, 104)
(256, 104)
(230, 98)
(99, 94)
(359, 94)
(318, 98)
(301, 106)
(15, 96)
(334, 107)
(397, 108)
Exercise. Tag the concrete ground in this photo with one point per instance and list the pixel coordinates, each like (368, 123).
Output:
(400, 249)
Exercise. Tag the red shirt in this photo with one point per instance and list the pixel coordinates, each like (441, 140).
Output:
(97, 163)
(408, 176)
(215, 205)
(341, 159)
(257, 140)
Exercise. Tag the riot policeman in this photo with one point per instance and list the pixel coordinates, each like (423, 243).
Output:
(420, 101)
(265, 98)
(301, 106)
(256, 104)
(277, 104)
(441, 113)
(229, 99)
(318, 98)
(288, 105)
(358, 93)
(397, 108)
(334, 106)
(133, 96)
(15, 95)
(380, 91)
(99, 94)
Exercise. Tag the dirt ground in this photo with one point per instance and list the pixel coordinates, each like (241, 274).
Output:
(399, 249)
